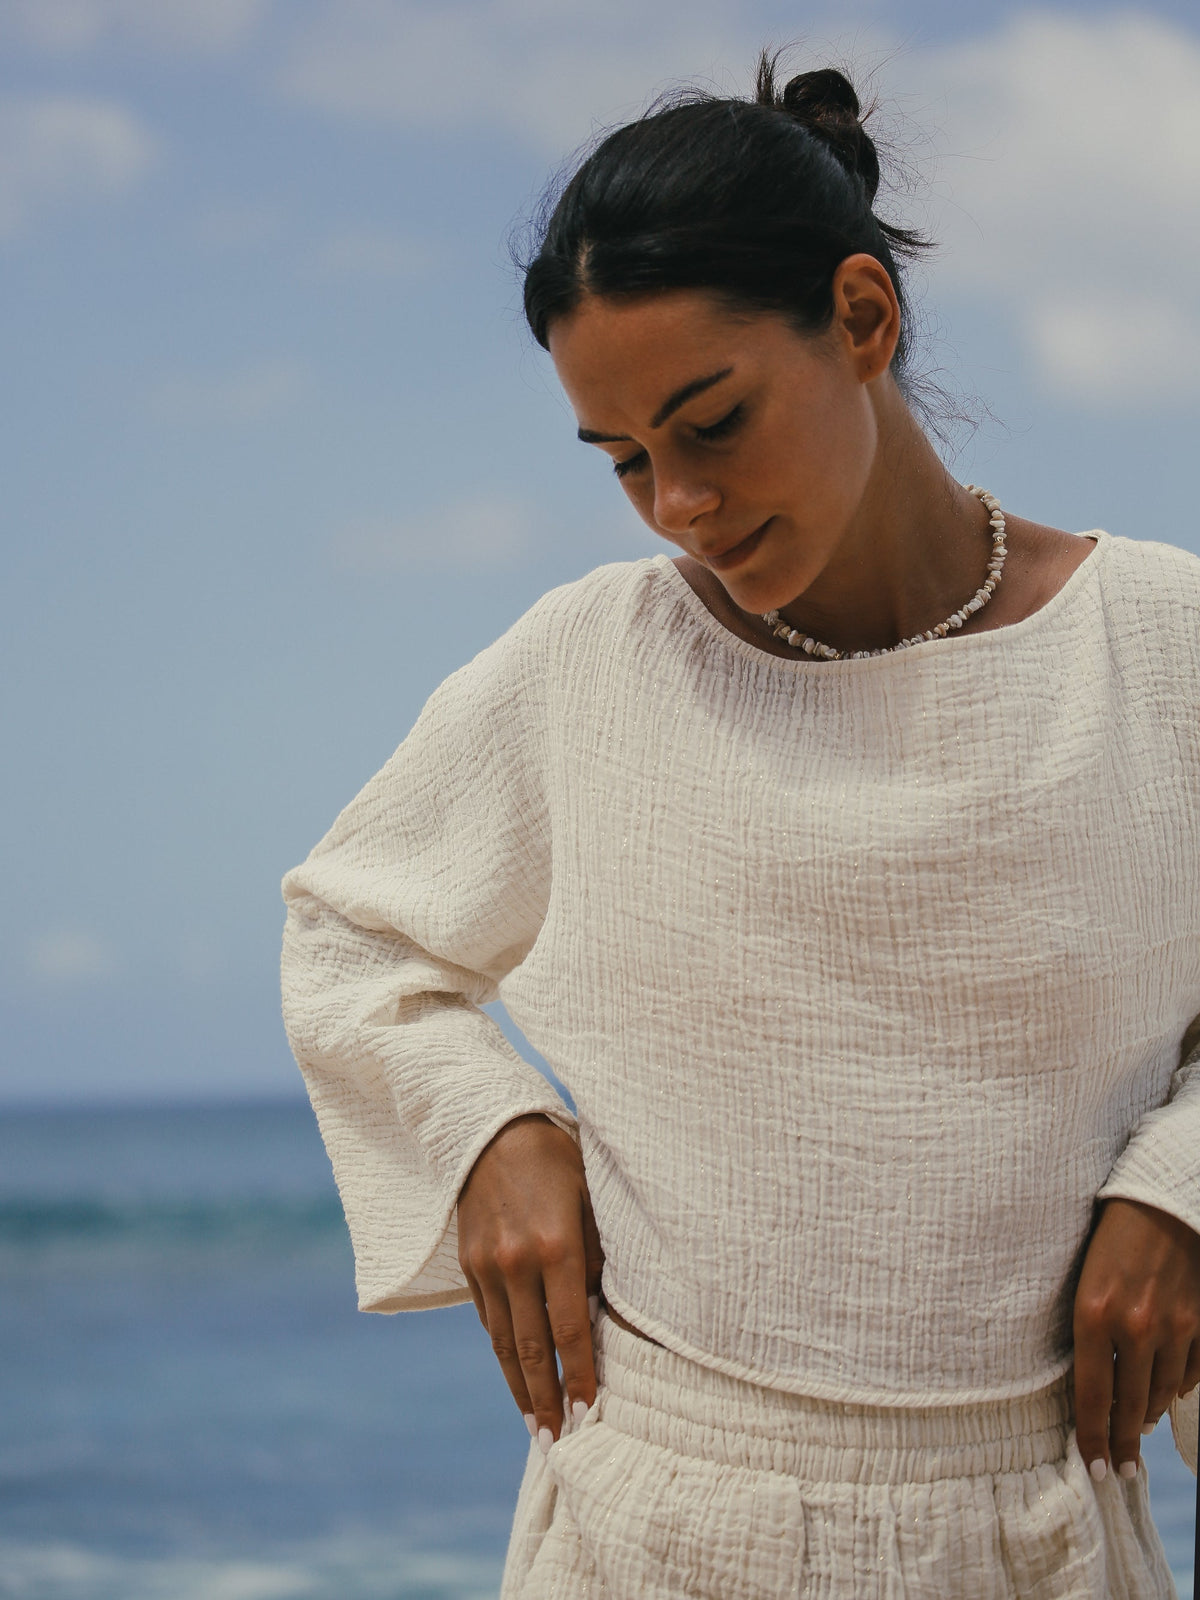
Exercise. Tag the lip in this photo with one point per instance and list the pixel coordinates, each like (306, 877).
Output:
(737, 553)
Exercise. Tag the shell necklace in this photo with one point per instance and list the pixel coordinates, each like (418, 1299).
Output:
(813, 647)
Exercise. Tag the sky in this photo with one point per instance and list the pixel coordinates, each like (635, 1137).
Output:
(278, 455)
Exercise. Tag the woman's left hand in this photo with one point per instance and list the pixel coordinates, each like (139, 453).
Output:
(1137, 1330)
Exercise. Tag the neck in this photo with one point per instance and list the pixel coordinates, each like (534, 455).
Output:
(916, 549)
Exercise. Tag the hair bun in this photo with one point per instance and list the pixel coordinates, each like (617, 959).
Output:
(825, 102)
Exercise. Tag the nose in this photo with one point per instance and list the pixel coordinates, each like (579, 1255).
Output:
(680, 499)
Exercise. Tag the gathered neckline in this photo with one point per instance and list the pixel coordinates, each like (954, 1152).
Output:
(957, 641)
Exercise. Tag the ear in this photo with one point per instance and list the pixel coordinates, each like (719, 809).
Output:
(866, 315)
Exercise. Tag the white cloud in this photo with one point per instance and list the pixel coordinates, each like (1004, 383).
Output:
(480, 531)
(1116, 350)
(66, 26)
(1069, 191)
(59, 150)
(1065, 179)
(545, 71)
(70, 955)
(357, 253)
(255, 393)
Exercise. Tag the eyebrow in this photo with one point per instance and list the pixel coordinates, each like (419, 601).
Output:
(669, 407)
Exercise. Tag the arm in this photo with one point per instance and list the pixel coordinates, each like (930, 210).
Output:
(457, 1163)
(1160, 1166)
(429, 888)
(1137, 1307)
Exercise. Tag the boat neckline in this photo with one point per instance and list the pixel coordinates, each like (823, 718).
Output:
(990, 638)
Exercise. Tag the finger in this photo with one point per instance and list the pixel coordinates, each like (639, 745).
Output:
(497, 1319)
(1094, 1357)
(534, 1346)
(571, 1329)
(1191, 1373)
(476, 1294)
(1170, 1365)
(1135, 1363)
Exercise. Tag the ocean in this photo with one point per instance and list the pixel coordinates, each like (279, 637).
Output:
(191, 1408)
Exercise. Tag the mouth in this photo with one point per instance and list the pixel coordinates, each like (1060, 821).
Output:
(737, 553)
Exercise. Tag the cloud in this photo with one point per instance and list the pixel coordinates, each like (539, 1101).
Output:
(1064, 159)
(70, 955)
(1069, 192)
(539, 69)
(1116, 350)
(57, 151)
(479, 532)
(69, 26)
(255, 393)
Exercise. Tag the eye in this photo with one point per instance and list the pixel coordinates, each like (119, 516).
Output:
(719, 430)
(726, 425)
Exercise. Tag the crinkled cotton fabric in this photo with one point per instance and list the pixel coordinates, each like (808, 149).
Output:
(866, 977)
(682, 1482)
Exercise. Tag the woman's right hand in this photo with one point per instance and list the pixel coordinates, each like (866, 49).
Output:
(528, 1244)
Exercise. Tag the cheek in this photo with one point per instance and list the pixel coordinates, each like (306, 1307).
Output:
(828, 449)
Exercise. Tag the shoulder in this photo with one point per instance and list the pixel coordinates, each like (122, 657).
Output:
(1153, 587)
(1153, 568)
(1149, 611)
(567, 630)
(589, 616)
(610, 599)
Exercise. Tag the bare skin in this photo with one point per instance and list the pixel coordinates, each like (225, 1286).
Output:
(801, 450)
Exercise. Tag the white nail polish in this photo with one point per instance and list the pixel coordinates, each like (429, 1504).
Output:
(545, 1439)
(593, 1307)
(579, 1410)
(1149, 1427)
(531, 1424)
(1099, 1469)
(1128, 1469)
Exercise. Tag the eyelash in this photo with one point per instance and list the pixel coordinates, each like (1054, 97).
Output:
(718, 431)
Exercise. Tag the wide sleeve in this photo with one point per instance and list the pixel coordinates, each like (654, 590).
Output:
(429, 888)
(1160, 1165)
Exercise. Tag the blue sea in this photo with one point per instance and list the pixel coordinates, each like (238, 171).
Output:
(191, 1408)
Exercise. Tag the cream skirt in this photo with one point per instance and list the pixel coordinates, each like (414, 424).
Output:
(681, 1481)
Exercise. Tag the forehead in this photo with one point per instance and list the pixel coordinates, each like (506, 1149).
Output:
(631, 353)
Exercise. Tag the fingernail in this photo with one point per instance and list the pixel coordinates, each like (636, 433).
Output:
(1128, 1469)
(545, 1439)
(579, 1410)
(531, 1424)
(1149, 1427)
(1099, 1469)
(593, 1306)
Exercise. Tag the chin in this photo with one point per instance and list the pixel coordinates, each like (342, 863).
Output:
(758, 593)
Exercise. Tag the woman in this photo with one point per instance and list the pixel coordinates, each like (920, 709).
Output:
(844, 869)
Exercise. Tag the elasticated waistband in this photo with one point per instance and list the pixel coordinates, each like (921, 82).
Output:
(651, 1393)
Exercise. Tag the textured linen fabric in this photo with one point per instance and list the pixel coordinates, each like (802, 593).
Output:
(681, 1482)
(866, 976)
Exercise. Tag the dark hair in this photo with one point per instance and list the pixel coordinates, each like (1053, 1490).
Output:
(756, 200)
